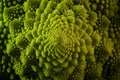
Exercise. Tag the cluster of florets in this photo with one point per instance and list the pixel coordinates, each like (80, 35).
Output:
(59, 39)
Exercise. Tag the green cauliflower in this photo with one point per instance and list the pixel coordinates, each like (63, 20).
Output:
(59, 40)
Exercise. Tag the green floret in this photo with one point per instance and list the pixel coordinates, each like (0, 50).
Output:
(31, 5)
(5, 60)
(113, 61)
(21, 41)
(13, 12)
(104, 7)
(8, 3)
(94, 71)
(15, 27)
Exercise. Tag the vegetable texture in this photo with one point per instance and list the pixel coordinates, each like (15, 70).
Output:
(59, 40)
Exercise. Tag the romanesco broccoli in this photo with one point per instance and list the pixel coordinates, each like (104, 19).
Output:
(59, 40)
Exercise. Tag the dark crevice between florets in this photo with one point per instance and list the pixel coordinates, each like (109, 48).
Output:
(111, 69)
(114, 28)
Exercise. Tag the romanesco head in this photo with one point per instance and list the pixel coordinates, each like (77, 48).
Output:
(59, 39)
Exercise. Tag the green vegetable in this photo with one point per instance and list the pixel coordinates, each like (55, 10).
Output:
(59, 40)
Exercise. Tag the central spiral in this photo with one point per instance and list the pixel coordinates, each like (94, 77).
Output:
(53, 41)
(59, 52)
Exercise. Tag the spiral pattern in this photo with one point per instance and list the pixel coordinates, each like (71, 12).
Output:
(59, 39)
(53, 41)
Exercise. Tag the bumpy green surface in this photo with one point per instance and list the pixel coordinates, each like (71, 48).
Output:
(59, 40)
